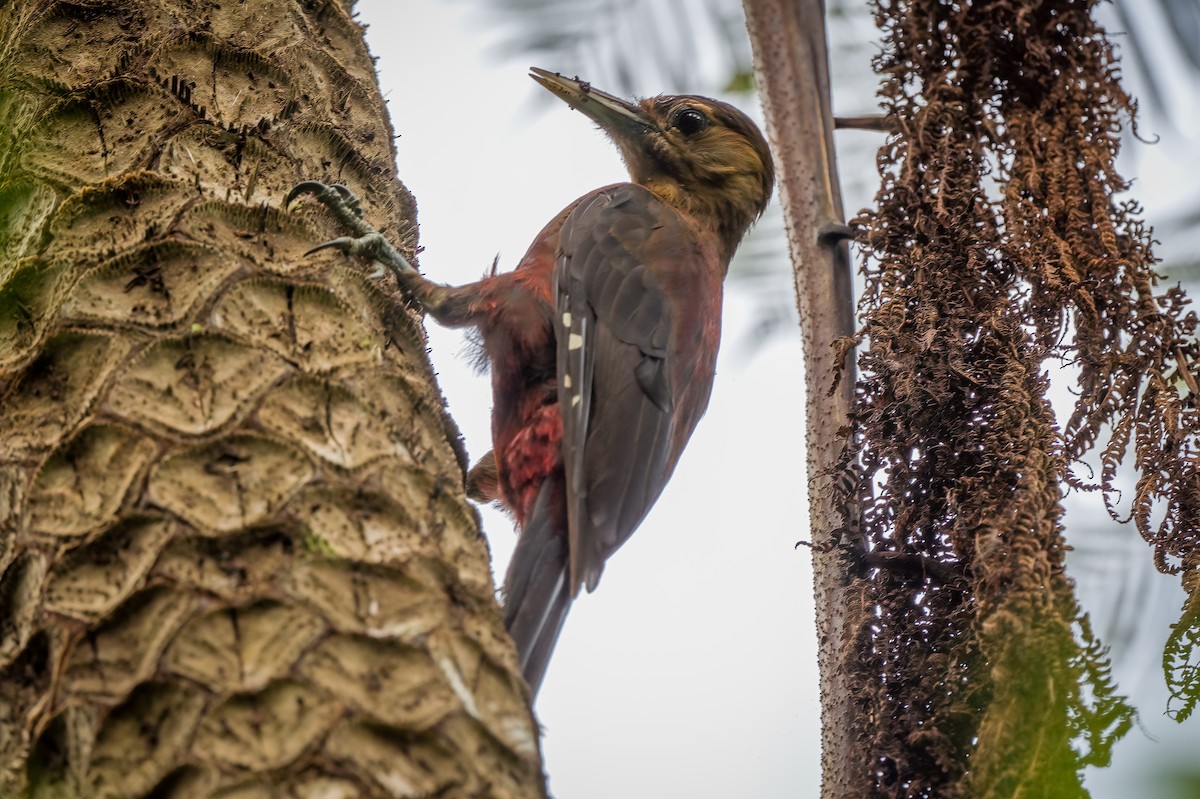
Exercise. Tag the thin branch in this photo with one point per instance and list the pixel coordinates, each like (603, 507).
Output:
(876, 122)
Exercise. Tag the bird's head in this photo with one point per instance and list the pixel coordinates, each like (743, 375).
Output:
(697, 154)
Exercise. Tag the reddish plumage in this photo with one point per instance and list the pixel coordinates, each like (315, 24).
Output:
(603, 342)
(519, 342)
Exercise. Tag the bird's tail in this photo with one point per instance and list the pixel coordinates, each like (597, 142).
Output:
(537, 593)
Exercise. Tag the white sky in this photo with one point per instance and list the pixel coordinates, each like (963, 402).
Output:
(691, 671)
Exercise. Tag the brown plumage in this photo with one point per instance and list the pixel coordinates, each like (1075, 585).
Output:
(603, 341)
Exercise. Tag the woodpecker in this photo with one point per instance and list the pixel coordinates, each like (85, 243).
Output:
(602, 342)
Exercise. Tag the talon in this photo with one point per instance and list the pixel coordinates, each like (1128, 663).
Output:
(343, 243)
(365, 240)
(375, 246)
(305, 187)
(337, 198)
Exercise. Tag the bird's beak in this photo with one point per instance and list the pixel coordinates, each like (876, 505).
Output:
(620, 118)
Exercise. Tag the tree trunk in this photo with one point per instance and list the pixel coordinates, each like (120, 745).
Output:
(235, 551)
(792, 71)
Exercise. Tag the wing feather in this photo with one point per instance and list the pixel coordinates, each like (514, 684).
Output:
(617, 342)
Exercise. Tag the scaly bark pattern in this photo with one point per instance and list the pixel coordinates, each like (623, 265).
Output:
(235, 553)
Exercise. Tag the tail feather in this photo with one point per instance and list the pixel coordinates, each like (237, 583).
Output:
(537, 595)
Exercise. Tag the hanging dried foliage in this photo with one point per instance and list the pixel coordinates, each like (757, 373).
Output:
(999, 244)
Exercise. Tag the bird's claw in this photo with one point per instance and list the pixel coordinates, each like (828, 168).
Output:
(344, 244)
(334, 196)
(366, 240)
(373, 245)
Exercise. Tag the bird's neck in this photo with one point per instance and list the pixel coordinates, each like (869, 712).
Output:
(716, 211)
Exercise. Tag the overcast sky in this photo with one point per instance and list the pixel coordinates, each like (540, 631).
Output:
(691, 671)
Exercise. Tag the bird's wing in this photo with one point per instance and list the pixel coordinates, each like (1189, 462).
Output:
(615, 353)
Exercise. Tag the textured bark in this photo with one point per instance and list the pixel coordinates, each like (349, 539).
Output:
(792, 71)
(235, 551)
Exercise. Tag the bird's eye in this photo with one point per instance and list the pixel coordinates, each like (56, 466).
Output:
(689, 121)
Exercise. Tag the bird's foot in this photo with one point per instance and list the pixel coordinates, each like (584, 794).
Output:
(366, 240)
(334, 196)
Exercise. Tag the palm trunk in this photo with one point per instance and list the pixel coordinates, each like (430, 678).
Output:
(235, 550)
(792, 71)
